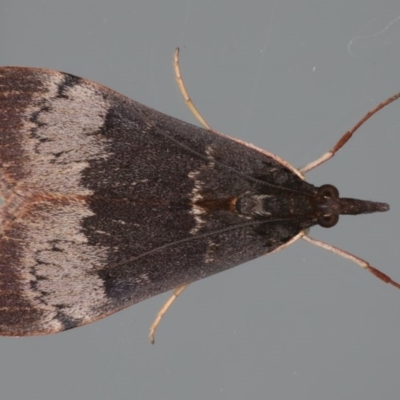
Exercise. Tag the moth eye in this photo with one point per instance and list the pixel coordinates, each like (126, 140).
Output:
(327, 221)
(328, 191)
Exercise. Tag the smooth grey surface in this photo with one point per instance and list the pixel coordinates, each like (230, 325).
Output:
(288, 76)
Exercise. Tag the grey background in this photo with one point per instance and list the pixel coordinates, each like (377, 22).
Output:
(288, 76)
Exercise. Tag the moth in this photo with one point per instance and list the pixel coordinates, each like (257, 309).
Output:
(108, 202)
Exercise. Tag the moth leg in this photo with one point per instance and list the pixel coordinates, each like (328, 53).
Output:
(291, 241)
(182, 88)
(362, 263)
(164, 309)
(346, 137)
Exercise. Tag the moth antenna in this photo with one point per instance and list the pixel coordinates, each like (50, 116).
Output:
(163, 311)
(362, 263)
(185, 95)
(346, 137)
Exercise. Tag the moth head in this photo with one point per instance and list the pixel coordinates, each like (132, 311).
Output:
(328, 206)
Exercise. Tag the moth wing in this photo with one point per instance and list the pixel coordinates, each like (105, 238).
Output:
(102, 202)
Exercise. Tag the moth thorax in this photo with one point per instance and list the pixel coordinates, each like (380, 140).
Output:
(255, 204)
